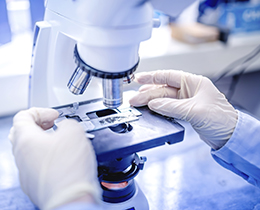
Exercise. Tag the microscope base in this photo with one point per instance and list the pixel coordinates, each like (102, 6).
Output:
(137, 202)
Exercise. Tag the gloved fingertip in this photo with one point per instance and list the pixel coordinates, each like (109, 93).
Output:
(47, 125)
(146, 87)
(158, 106)
(70, 126)
(155, 103)
(133, 102)
(43, 115)
(137, 100)
(143, 78)
(164, 106)
(51, 113)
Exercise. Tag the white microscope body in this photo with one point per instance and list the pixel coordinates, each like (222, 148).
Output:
(107, 35)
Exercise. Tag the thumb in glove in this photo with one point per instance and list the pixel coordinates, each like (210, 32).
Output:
(54, 168)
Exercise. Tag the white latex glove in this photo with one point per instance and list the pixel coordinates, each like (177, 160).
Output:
(191, 98)
(54, 168)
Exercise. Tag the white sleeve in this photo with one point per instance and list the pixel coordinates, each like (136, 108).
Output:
(241, 154)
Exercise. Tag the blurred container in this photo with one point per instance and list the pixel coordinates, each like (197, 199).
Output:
(19, 16)
(37, 11)
(240, 16)
(5, 31)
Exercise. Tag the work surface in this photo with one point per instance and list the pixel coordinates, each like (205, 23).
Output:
(180, 176)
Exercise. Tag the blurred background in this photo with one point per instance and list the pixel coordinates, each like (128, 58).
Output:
(219, 39)
(17, 19)
(205, 39)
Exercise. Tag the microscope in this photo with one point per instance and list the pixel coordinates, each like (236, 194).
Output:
(83, 53)
(82, 42)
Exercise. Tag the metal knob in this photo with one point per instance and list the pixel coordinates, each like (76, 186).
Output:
(128, 79)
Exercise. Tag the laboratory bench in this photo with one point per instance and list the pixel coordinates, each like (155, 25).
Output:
(175, 177)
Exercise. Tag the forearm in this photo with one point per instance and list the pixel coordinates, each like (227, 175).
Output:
(241, 153)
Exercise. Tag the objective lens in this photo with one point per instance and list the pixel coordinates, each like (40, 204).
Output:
(112, 92)
(79, 81)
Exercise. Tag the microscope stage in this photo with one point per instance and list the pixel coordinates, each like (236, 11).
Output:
(117, 133)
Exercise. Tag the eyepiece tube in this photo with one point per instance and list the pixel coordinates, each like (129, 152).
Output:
(113, 92)
(79, 81)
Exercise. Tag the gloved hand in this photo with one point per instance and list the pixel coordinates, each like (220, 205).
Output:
(191, 98)
(55, 168)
